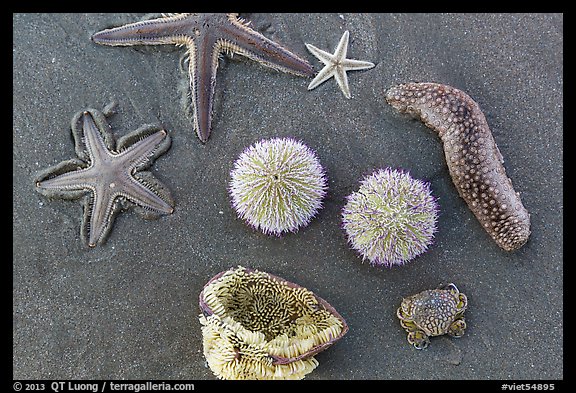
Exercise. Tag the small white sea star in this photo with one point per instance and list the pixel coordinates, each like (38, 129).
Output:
(336, 65)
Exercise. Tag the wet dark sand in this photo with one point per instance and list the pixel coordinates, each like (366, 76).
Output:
(128, 309)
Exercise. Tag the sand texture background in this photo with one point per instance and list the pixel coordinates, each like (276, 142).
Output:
(128, 309)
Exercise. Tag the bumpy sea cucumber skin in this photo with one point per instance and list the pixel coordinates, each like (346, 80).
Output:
(473, 159)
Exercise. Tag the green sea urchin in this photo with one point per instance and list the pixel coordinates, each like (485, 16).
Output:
(391, 219)
(277, 185)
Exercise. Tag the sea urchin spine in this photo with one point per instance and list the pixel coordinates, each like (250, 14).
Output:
(391, 219)
(277, 185)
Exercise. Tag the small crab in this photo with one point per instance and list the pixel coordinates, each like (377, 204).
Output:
(433, 313)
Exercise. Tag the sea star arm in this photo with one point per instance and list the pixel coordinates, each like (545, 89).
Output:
(144, 197)
(79, 179)
(203, 64)
(342, 48)
(324, 74)
(238, 38)
(164, 30)
(323, 56)
(98, 217)
(137, 190)
(342, 80)
(351, 65)
(141, 152)
(70, 181)
(93, 140)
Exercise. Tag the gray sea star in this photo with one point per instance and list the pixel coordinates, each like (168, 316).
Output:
(110, 178)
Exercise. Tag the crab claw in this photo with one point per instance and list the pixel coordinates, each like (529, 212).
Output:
(401, 314)
(418, 339)
(450, 287)
(462, 303)
(457, 328)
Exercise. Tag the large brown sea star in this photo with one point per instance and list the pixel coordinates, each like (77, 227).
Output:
(206, 36)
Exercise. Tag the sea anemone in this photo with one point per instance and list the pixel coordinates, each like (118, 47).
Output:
(259, 326)
(391, 219)
(277, 185)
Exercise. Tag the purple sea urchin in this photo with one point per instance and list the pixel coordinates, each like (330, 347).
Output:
(391, 219)
(277, 185)
(259, 326)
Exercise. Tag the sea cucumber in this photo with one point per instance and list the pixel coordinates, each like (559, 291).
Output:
(473, 159)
